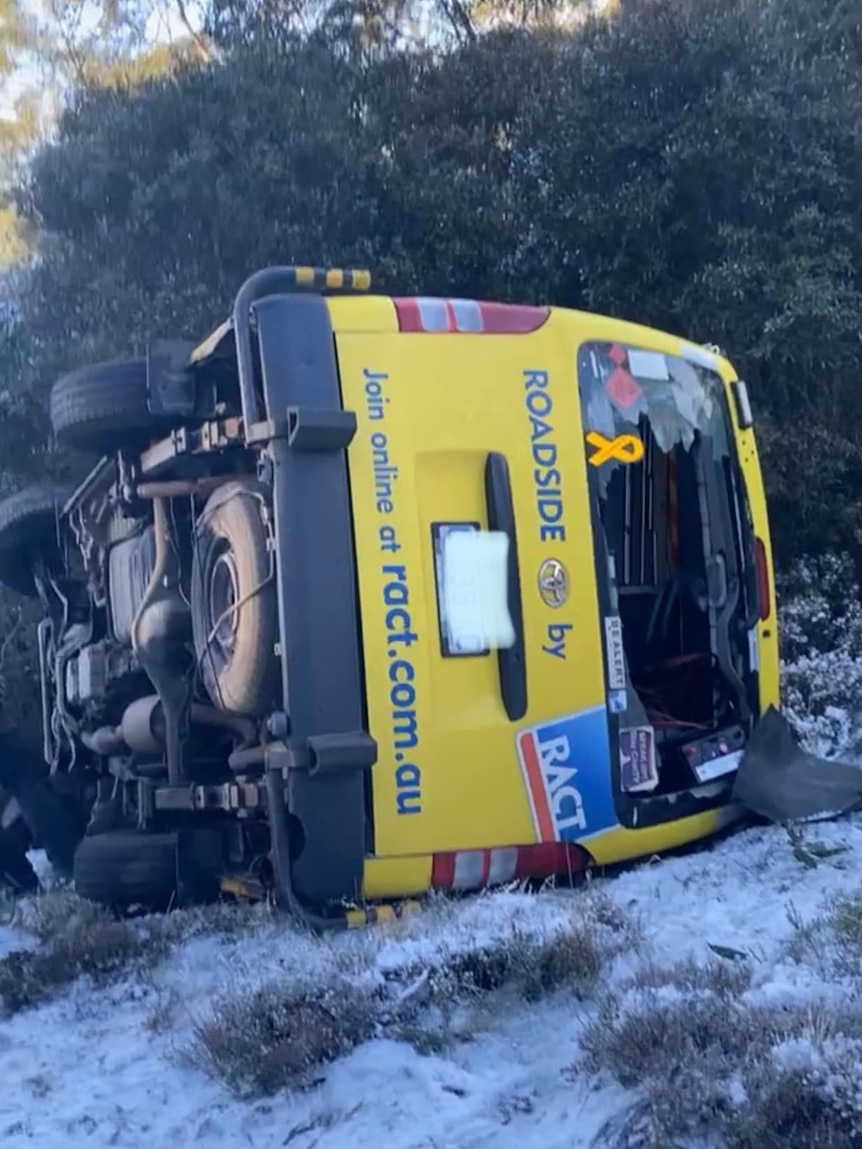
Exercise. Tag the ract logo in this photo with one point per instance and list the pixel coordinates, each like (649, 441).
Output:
(566, 769)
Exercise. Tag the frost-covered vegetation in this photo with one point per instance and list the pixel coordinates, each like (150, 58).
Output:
(821, 647)
(711, 1001)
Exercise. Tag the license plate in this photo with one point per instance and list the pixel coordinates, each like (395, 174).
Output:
(718, 767)
(471, 567)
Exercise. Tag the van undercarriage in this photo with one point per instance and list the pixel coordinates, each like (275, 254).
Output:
(191, 605)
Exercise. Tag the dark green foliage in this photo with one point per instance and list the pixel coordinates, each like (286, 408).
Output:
(692, 164)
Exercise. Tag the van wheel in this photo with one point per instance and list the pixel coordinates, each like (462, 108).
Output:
(101, 407)
(127, 868)
(234, 611)
(16, 872)
(36, 813)
(28, 533)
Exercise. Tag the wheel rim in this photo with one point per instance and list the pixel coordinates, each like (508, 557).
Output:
(223, 598)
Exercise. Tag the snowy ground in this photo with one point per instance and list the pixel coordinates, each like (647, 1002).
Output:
(744, 932)
(106, 1067)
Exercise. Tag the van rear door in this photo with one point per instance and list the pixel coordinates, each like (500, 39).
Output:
(475, 574)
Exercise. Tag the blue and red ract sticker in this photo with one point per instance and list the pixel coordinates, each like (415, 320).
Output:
(567, 774)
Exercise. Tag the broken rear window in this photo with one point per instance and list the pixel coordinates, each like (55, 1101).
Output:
(622, 386)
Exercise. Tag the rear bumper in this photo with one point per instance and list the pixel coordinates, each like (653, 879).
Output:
(295, 419)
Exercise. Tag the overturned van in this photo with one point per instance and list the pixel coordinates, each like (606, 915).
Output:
(369, 595)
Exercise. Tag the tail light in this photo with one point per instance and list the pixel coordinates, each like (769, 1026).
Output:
(475, 869)
(467, 317)
(764, 601)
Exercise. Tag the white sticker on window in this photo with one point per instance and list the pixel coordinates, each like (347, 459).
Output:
(616, 655)
(647, 365)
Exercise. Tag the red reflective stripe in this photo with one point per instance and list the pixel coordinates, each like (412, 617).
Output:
(473, 869)
(407, 311)
(764, 602)
(509, 319)
(443, 871)
(551, 858)
(465, 316)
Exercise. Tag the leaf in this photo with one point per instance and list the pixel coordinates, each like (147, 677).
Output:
(820, 851)
(804, 856)
(728, 952)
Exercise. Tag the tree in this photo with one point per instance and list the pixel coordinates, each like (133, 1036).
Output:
(654, 165)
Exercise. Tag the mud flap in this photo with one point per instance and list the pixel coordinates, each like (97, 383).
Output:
(782, 782)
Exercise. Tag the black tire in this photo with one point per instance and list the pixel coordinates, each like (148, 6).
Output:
(235, 648)
(12, 825)
(16, 873)
(126, 868)
(28, 532)
(43, 819)
(101, 407)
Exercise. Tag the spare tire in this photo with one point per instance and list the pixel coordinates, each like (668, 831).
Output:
(101, 407)
(28, 533)
(233, 601)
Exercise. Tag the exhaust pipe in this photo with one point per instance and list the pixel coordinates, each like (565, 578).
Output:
(142, 727)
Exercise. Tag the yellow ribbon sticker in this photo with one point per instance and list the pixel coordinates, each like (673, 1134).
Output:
(624, 448)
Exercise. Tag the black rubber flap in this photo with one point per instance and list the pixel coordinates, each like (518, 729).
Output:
(781, 781)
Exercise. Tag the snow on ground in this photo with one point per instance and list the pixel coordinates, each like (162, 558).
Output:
(106, 1066)
(92, 1069)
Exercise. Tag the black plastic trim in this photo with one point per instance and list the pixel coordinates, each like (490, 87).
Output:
(315, 565)
(309, 429)
(512, 661)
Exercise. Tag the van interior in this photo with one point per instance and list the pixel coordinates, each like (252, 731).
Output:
(676, 539)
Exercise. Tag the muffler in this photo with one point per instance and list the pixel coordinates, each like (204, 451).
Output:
(142, 727)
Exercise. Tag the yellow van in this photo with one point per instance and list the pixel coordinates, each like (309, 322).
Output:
(614, 469)
(387, 594)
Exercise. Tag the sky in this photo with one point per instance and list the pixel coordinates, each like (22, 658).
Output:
(163, 26)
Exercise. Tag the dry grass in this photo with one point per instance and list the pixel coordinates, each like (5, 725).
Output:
(713, 1061)
(79, 939)
(260, 1042)
(52, 915)
(447, 1003)
(532, 966)
(99, 950)
(282, 1035)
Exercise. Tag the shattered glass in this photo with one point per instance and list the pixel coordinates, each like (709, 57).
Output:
(622, 386)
